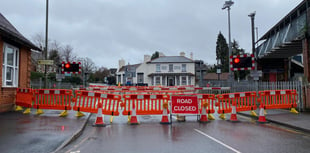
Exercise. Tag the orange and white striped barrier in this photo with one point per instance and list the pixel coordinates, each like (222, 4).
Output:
(242, 101)
(144, 104)
(59, 99)
(279, 99)
(86, 101)
(23, 99)
(207, 101)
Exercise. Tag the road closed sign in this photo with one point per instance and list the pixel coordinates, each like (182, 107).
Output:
(184, 105)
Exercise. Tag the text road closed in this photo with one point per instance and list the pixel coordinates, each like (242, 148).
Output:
(184, 105)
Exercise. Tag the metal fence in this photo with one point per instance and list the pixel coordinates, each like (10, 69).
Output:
(243, 86)
(39, 84)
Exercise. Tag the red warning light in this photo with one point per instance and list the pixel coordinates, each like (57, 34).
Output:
(67, 65)
(236, 60)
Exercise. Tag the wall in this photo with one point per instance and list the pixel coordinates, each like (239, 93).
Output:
(7, 95)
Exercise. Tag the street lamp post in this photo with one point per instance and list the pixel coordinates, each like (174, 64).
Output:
(46, 42)
(200, 66)
(227, 5)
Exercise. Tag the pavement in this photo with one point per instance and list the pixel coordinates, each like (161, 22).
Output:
(43, 133)
(15, 126)
(284, 117)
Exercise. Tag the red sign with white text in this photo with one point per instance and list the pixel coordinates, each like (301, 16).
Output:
(184, 105)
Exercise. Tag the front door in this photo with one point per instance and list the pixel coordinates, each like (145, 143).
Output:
(170, 81)
(272, 76)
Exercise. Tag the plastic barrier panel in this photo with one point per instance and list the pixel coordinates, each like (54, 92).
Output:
(24, 97)
(59, 99)
(276, 99)
(208, 101)
(144, 104)
(244, 101)
(86, 101)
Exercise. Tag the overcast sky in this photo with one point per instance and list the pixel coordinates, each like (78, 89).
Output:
(109, 30)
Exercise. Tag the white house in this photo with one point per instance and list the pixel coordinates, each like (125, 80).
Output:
(164, 70)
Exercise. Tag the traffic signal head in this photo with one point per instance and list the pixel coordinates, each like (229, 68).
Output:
(67, 66)
(70, 67)
(236, 61)
(242, 62)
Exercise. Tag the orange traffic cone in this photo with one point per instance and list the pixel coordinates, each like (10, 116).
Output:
(204, 118)
(133, 118)
(262, 118)
(99, 119)
(165, 119)
(233, 116)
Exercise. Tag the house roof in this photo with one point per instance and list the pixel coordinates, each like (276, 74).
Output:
(171, 59)
(214, 76)
(171, 74)
(8, 31)
(129, 66)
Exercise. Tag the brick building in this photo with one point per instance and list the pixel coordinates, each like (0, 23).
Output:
(15, 63)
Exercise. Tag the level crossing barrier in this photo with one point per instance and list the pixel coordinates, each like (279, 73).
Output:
(87, 101)
(279, 99)
(23, 99)
(144, 104)
(236, 102)
(58, 99)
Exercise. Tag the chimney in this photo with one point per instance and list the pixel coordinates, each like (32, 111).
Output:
(192, 56)
(182, 54)
(121, 63)
(161, 54)
(147, 58)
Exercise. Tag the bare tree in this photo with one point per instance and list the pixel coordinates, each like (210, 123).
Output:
(67, 54)
(88, 66)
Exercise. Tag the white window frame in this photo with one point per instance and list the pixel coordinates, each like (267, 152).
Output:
(157, 80)
(170, 67)
(183, 67)
(183, 80)
(157, 67)
(14, 67)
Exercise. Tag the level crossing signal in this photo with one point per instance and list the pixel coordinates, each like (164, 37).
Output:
(69, 67)
(242, 62)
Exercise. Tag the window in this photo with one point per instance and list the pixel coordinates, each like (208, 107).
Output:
(157, 80)
(189, 80)
(124, 79)
(183, 79)
(157, 67)
(119, 78)
(177, 67)
(164, 67)
(170, 67)
(183, 67)
(10, 66)
(140, 78)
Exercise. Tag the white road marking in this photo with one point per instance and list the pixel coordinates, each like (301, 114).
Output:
(218, 141)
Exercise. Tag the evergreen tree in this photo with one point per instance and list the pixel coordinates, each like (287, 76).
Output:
(222, 52)
(155, 55)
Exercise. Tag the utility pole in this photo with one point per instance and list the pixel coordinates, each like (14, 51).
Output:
(46, 42)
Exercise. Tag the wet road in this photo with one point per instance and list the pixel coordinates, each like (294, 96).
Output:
(35, 134)
(188, 137)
